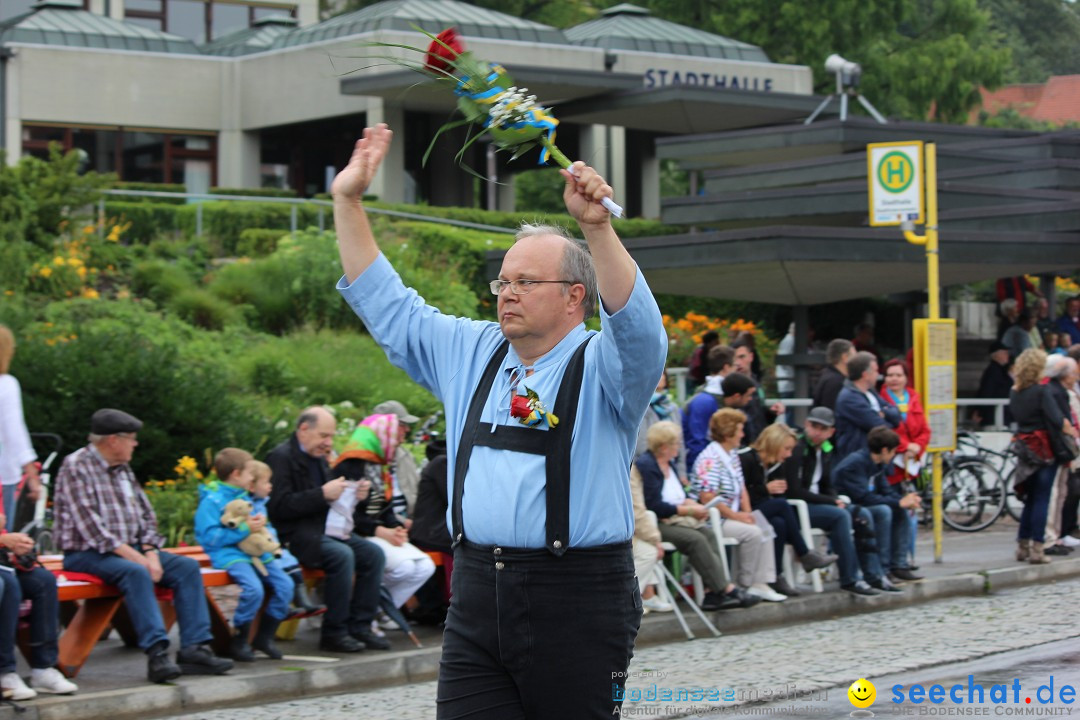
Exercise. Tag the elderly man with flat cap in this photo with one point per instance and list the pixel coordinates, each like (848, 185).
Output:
(106, 527)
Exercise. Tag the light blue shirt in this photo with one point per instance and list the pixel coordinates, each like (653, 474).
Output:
(504, 501)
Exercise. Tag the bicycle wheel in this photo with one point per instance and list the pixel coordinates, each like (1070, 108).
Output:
(1013, 505)
(971, 496)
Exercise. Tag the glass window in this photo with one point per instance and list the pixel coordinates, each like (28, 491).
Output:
(190, 142)
(265, 12)
(143, 157)
(143, 5)
(11, 8)
(186, 18)
(228, 19)
(152, 23)
(99, 146)
(274, 176)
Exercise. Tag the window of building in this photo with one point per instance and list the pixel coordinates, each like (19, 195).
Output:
(198, 20)
(135, 155)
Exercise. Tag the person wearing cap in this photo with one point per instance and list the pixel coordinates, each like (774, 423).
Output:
(808, 472)
(403, 468)
(996, 382)
(105, 526)
(542, 416)
(304, 490)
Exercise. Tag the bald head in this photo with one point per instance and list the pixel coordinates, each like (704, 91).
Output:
(315, 428)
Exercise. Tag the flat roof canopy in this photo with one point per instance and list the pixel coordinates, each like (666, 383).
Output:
(815, 265)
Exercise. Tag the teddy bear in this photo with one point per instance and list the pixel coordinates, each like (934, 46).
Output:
(258, 543)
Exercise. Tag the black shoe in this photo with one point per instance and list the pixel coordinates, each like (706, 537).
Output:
(1056, 550)
(264, 638)
(745, 599)
(714, 601)
(341, 644)
(884, 585)
(201, 660)
(781, 586)
(859, 588)
(239, 649)
(159, 668)
(370, 639)
(905, 574)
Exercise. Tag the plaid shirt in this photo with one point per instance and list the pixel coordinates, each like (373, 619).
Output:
(99, 507)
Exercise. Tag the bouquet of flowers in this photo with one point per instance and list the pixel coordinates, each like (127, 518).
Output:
(488, 98)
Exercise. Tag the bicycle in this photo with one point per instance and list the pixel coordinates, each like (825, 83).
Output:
(35, 518)
(1004, 461)
(971, 499)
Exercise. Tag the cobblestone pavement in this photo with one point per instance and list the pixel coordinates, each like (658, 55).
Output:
(801, 658)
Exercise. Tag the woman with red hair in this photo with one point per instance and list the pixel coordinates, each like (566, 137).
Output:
(913, 430)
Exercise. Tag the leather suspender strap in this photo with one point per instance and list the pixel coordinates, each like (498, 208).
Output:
(558, 454)
(468, 437)
(553, 444)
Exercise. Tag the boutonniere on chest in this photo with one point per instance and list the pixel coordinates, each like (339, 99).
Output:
(530, 411)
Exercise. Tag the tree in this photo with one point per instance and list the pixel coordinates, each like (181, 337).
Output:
(916, 55)
(1044, 36)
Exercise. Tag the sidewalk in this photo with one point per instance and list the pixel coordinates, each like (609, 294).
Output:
(112, 683)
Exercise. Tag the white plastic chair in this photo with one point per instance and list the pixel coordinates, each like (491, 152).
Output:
(808, 533)
(662, 576)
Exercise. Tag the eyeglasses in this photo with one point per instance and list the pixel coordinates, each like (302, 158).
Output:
(126, 436)
(521, 287)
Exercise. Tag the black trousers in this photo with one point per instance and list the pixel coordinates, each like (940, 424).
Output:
(531, 635)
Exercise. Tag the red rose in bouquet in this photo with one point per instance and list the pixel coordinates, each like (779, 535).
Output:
(520, 407)
(445, 47)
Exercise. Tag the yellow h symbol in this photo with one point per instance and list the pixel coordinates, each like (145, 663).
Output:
(894, 171)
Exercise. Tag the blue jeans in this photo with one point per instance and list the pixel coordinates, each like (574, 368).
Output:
(351, 603)
(251, 584)
(181, 575)
(1036, 504)
(836, 522)
(892, 528)
(38, 586)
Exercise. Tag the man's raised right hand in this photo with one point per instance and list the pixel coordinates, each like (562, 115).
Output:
(368, 153)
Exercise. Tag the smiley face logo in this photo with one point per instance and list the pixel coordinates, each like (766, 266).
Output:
(862, 693)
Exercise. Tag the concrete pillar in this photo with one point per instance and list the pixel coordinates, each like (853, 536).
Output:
(650, 184)
(307, 12)
(115, 8)
(507, 198)
(10, 119)
(616, 175)
(389, 182)
(801, 318)
(604, 148)
(238, 159)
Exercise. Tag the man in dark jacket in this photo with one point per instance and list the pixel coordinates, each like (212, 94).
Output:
(858, 408)
(831, 382)
(299, 502)
(861, 476)
(758, 417)
(808, 473)
(995, 382)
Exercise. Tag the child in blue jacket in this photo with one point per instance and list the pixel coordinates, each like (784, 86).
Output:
(220, 543)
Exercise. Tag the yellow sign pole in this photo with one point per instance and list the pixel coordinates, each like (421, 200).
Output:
(930, 240)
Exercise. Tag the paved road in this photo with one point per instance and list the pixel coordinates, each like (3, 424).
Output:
(806, 661)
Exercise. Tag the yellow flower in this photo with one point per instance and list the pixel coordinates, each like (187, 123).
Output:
(58, 261)
(82, 272)
(185, 465)
(45, 271)
(122, 294)
(74, 262)
(9, 293)
(89, 229)
(90, 293)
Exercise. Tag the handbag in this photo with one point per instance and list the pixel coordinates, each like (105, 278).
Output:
(1065, 447)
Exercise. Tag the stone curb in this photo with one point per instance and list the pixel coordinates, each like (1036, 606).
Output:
(383, 669)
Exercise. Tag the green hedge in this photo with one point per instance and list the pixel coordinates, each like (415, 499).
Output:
(258, 242)
(256, 192)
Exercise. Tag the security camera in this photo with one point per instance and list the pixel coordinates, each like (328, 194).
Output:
(846, 70)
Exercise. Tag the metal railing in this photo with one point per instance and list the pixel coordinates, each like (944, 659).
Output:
(294, 214)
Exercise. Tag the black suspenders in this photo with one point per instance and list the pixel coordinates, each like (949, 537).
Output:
(553, 444)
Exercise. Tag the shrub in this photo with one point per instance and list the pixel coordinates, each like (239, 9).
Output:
(119, 354)
(159, 280)
(257, 242)
(254, 192)
(149, 220)
(203, 309)
(59, 193)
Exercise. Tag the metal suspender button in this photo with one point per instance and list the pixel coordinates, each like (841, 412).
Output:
(557, 544)
(498, 551)
(499, 565)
